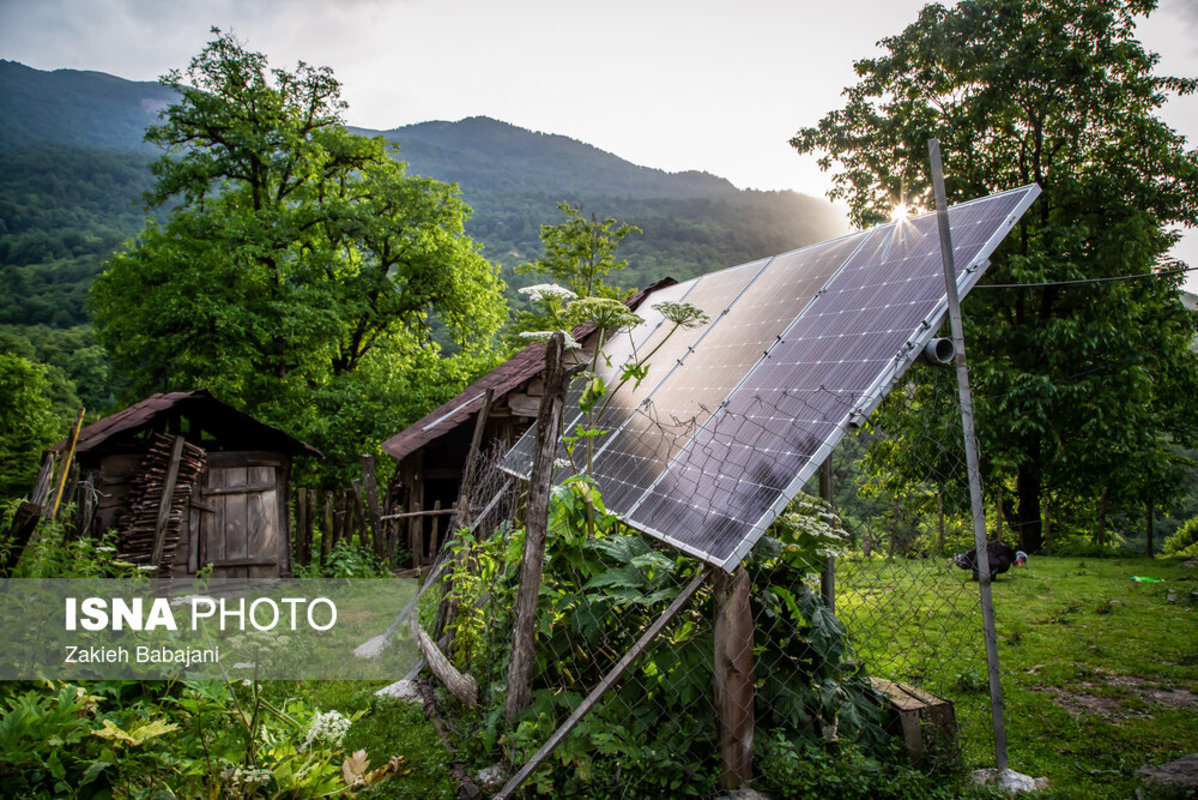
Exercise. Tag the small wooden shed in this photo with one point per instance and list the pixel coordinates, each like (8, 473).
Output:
(432, 452)
(188, 481)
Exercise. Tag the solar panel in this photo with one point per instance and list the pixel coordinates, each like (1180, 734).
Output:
(735, 416)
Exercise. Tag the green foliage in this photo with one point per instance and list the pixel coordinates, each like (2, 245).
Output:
(580, 253)
(190, 739)
(795, 771)
(55, 555)
(63, 210)
(346, 560)
(301, 262)
(28, 423)
(77, 367)
(602, 586)
(1076, 387)
(811, 685)
(1183, 543)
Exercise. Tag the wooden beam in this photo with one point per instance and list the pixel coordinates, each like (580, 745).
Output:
(45, 476)
(536, 524)
(734, 676)
(164, 503)
(435, 512)
(476, 441)
(66, 464)
(463, 687)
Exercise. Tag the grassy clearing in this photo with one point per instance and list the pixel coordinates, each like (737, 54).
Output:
(1100, 673)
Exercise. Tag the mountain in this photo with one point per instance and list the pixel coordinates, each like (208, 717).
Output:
(484, 153)
(73, 169)
(76, 109)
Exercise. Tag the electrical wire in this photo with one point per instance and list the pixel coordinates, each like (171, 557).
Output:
(1160, 274)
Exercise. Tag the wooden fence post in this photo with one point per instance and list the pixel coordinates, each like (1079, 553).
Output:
(370, 488)
(297, 531)
(413, 465)
(24, 523)
(329, 534)
(364, 525)
(549, 415)
(734, 676)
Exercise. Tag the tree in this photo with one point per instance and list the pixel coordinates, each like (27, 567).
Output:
(1078, 386)
(579, 256)
(297, 261)
(28, 423)
(580, 252)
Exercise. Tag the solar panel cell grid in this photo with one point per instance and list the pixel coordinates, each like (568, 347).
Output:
(735, 416)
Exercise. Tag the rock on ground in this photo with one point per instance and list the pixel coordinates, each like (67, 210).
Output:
(406, 691)
(371, 648)
(1009, 780)
(492, 777)
(744, 793)
(1180, 774)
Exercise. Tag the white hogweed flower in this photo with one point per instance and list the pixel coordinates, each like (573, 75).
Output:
(544, 336)
(547, 291)
(685, 315)
(329, 727)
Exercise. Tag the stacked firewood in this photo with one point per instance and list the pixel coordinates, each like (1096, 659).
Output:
(138, 523)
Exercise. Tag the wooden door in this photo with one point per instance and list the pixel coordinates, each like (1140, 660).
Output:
(239, 519)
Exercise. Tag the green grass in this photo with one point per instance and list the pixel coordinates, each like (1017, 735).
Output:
(1100, 673)
(387, 728)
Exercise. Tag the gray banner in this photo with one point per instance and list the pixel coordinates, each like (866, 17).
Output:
(234, 629)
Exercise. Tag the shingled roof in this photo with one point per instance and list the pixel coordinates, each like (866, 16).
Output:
(507, 377)
(218, 419)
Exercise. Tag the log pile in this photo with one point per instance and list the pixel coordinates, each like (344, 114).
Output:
(138, 524)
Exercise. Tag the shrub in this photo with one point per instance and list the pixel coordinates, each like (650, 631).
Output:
(1184, 542)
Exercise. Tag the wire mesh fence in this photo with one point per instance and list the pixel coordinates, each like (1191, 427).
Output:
(682, 659)
(902, 612)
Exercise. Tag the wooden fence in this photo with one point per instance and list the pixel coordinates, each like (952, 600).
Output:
(357, 515)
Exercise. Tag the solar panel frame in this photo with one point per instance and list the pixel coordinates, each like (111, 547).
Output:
(894, 365)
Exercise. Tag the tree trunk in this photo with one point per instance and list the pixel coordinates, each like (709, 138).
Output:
(940, 523)
(1000, 523)
(1028, 488)
(1151, 521)
(1100, 533)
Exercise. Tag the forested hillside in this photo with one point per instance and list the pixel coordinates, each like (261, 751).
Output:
(73, 169)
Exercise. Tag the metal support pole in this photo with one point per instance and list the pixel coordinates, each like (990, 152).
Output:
(971, 458)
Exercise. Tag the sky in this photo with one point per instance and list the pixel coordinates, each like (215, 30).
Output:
(710, 85)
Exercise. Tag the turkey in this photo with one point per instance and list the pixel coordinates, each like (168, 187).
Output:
(1000, 555)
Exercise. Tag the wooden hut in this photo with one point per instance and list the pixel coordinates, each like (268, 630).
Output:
(189, 481)
(432, 452)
